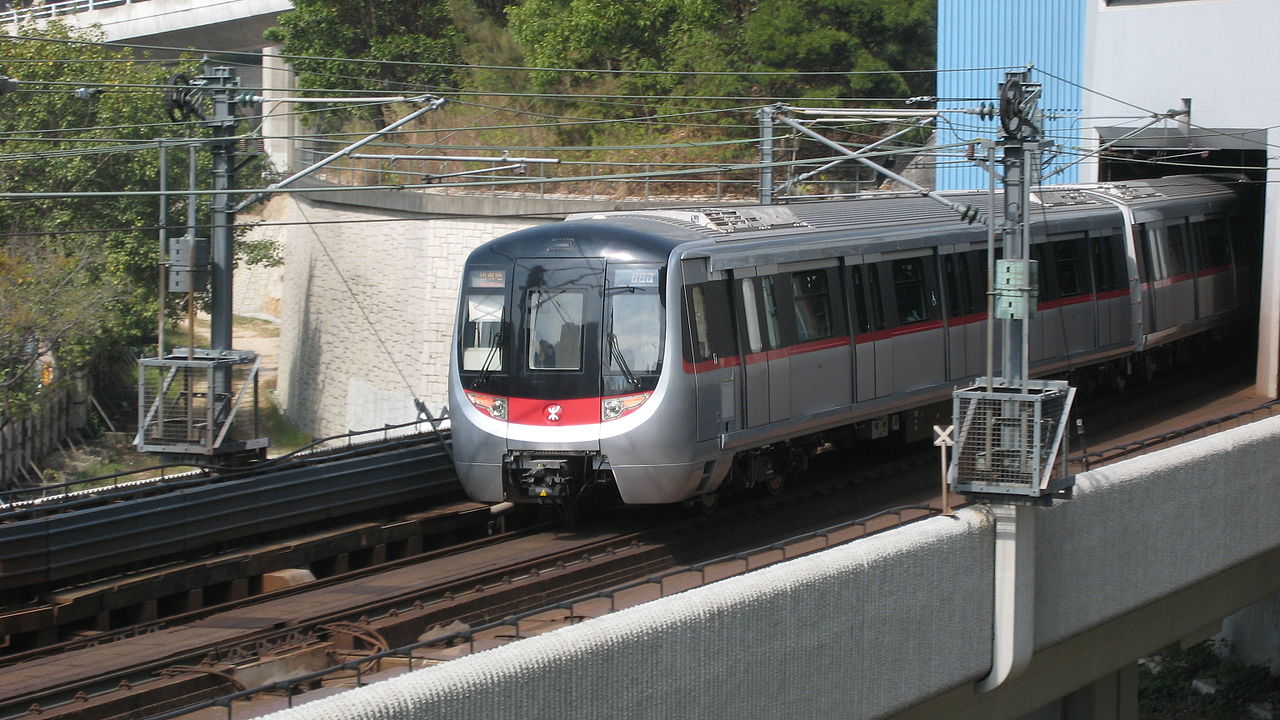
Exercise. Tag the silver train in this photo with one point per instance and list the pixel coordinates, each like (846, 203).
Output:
(672, 354)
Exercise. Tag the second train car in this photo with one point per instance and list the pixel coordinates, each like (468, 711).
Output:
(674, 353)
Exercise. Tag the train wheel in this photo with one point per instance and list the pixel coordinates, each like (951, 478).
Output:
(708, 502)
(774, 484)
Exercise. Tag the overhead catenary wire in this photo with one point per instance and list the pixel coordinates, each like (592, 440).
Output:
(648, 119)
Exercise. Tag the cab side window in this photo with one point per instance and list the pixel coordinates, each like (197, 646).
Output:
(814, 319)
(909, 290)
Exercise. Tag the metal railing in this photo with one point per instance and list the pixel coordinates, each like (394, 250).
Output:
(116, 487)
(579, 179)
(21, 12)
(1087, 459)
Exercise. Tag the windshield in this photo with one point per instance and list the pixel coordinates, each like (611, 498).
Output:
(555, 329)
(482, 308)
(633, 320)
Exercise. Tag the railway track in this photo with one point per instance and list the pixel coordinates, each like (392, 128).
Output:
(465, 586)
(448, 606)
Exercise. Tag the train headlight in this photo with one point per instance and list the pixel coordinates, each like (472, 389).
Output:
(615, 407)
(494, 407)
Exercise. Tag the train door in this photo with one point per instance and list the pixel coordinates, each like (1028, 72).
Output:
(1066, 314)
(966, 311)
(874, 354)
(710, 352)
(820, 356)
(555, 375)
(1182, 272)
(752, 348)
(1215, 283)
(779, 361)
(914, 340)
(1111, 287)
(862, 321)
(1168, 293)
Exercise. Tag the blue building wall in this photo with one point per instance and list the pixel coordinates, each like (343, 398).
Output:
(978, 40)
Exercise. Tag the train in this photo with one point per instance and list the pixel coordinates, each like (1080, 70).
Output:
(668, 355)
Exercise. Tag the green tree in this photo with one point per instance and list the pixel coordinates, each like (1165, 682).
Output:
(397, 35)
(78, 275)
(606, 34)
(886, 38)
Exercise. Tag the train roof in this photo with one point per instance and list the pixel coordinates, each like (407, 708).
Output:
(880, 223)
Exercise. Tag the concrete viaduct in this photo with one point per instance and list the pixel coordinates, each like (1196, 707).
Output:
(1150, 552)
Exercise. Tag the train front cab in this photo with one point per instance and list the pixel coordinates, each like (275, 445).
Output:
(560, 381)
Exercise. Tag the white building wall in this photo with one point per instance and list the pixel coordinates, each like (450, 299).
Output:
(1144, 58)
(1153, 54)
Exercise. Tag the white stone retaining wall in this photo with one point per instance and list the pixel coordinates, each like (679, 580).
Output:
(367, 311)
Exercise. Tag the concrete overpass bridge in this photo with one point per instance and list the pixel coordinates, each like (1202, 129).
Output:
(208, 24)
(1149, 552)
(230, 26)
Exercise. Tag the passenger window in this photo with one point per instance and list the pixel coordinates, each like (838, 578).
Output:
(1108, 265)
(877, 300)
(1066, 269)
(1043, 277)
(712, 335)
(751, 315)
(813, 305)
(978, 258)
(1212, 248)
(909, 290)
(701, 343)
(960, 297)
(555, 329)
(770, 312)
(1176, 251)
(860, 300)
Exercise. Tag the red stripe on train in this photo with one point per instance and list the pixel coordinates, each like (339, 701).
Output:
(553, 413)
(875, 336)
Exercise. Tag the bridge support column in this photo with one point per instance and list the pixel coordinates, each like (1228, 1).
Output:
(279, 124)
(1113, 696)
(1254, 633)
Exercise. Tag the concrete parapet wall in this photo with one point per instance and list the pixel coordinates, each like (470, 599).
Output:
(793, 640)
(1141, 529)
(877, 626)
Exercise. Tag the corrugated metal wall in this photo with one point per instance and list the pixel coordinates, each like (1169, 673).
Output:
(977, 41)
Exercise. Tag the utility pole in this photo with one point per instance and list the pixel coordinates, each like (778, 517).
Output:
(221, 82)
(1009, 429)
(188, 402)
(1016, 276)
(765, 117)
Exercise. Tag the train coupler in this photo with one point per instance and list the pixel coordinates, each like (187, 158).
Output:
(545, 479)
